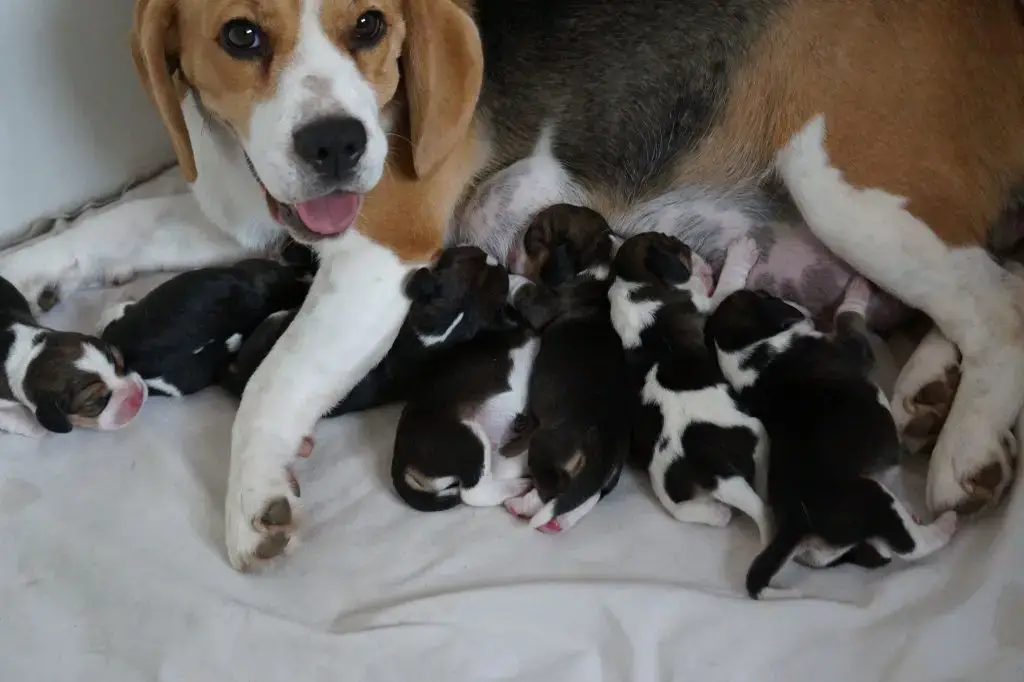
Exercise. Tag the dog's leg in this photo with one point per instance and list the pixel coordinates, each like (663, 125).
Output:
(20, 421)
(111, 246)
(490, 490)
(740, 258)
(525, 506)
(924, 392)
(703, 510)
(968, 295)
(564, 522)
(334, 340)
(903, 535)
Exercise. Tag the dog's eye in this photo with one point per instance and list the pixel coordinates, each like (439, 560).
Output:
(369, 29)
(243, 39)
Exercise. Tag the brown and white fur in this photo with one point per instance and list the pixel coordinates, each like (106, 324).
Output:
(894, 127)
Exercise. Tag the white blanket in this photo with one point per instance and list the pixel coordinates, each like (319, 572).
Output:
(112, 569)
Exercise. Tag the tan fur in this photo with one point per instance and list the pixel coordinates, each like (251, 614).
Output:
(435, 38)
(918, 99)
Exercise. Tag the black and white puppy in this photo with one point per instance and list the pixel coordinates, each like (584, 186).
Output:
(54, 380)
(576, 422)
(461, 294)
(831, 433)
(183, 333)
(702, 451)
(462, 414)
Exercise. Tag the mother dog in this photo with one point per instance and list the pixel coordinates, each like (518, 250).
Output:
(363, 127)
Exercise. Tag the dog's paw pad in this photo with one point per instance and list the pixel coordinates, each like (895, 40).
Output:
(278, 513)
(48, 298)
(271, 546)
(927, 411)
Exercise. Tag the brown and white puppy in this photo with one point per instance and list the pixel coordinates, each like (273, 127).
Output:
(295, 99)
(54, 381)
(576, 423)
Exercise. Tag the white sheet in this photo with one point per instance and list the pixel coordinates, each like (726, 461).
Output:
(112, 569)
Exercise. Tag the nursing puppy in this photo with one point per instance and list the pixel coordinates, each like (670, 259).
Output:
(54, 381)
(701, 450)
(182, 334)
(831, 431)
(460, 295)
(576, 420)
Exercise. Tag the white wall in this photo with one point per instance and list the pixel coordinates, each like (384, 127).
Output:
(74, 121)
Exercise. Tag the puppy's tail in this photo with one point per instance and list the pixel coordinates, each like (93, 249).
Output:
(773, 557)
(737, 492)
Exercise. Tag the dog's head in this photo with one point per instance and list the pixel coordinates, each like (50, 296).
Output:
(461, 294)
(659, 260)
(71, 379)
(312, 89)
(563, 241)
(747, 317)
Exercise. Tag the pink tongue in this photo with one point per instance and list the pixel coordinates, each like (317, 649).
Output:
(331, 214)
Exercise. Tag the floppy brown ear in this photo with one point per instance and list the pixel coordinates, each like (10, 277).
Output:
(156, 48)
(443, 67)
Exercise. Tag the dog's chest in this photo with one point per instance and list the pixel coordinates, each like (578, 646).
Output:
(495, 414)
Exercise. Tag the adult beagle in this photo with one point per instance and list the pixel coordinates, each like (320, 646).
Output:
(368, 128)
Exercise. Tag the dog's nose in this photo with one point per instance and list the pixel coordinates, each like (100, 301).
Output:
(332, 146)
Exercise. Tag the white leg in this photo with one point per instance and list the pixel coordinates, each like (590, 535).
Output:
(856, 298)
(740, 258)
(505, 468)
(924, 391)
(346, 325)
(543, 521)
(146, 235)
(490, 492)
(928, 538)
(18, 420)
(703, 510)
(970, 297)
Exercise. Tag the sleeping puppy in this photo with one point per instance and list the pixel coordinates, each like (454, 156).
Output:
(182, 334)
(460, 295)
(54, 381)
(700, 449)
(831, 432)
(576, 421)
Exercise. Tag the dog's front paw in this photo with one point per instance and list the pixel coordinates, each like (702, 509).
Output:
(261, 519)
(42, 274)
(969, 473)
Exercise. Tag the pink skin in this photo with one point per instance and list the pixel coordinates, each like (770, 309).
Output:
(130, 405)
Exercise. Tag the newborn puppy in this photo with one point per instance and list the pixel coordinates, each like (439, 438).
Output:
(576, 421)
(183, 333)
(460, 295)
(54, 381)
(701, 450)
(830, 429)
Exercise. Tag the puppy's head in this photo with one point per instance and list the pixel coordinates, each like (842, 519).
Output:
(563, 241)
(71, 379)
(311, 89)
(747, 317)
(463, 293)
(659, 260)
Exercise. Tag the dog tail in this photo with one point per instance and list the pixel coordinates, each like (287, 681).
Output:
(773, 557)
(737, 492)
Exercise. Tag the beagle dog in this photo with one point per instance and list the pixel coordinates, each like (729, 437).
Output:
(368, 128)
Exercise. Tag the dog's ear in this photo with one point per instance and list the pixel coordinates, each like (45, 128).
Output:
(422, 285)
(666, 266)
(443, 70)
(51, 416)
(156, 49)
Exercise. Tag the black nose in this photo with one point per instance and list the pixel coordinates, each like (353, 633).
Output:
(332, 146)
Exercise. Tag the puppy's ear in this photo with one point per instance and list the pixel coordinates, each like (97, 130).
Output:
(422, 285)
(666, 266)
(51, 416)
(156, 49)
(443, 70)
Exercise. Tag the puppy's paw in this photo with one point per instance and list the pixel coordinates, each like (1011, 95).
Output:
(524, 506)
(744, 252)
(261, 520)
(970, 471)
(705, 511)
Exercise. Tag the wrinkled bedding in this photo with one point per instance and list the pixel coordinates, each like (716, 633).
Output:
(112, 569)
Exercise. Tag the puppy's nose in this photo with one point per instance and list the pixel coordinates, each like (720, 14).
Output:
(332, 146)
